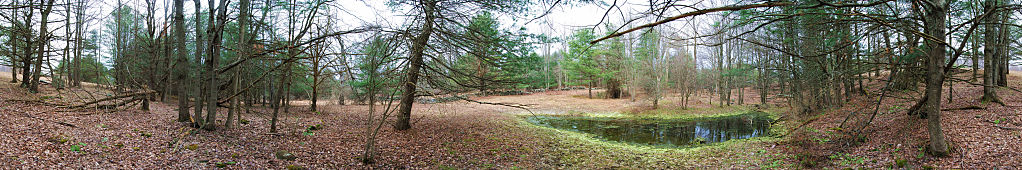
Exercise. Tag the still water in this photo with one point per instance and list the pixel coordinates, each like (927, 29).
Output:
(663, 132)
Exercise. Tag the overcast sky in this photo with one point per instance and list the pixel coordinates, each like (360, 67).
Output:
(353, 13)
(348, 14)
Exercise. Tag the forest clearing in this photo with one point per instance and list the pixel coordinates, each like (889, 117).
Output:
(510, 84)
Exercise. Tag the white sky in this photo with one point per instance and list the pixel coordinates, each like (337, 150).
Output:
(349, 14)
(353, 13)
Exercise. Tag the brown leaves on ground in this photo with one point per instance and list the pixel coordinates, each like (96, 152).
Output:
(895, 139)
(35, 135)
(443, 135)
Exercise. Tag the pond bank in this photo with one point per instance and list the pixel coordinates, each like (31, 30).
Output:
(574, 149)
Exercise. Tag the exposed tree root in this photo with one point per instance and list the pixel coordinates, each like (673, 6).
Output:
(993, 99)
(917, 108)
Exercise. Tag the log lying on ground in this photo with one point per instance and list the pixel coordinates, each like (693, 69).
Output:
(134, 97)
(972, 107)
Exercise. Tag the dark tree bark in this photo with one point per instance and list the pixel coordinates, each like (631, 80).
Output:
(936, 16)
(1003, 45)
(415, 63)
(762, 79)
(275, 94)
(182, 62)
(590, 88)
(15, 38)
(197, 82)
(975, 43)
(26, 58)
(317, 72)
(613, 88)
(991, 53)
(14, 68)
(243, 47)
(76, 73)
(43, 41)
(213, 59)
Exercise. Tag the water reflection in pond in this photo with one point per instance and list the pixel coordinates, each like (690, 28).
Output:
(664, 131)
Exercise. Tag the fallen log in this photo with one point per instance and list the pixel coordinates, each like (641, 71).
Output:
(973, 107)
(134, 95)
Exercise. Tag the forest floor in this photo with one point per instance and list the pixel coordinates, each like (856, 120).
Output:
(981, 135)
(467, 135)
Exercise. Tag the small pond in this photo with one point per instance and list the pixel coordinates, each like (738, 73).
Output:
(663, 132)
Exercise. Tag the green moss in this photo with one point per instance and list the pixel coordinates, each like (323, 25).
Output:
(445, 167)
(78, 148)
(284, 155)
(224, 164)
(145, 134)
(295, 167)
(59, 139)
(192, 147)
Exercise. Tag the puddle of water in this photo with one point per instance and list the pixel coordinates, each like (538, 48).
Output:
(665, 131)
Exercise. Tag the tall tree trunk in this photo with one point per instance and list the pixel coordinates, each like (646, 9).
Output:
(169, 67)
(79, 30)
(14, 67)
(315, 81)
(1003, 44)
(990, 55)
(975, 42)
(233, 108)
(315, 92)
(243, 47)
(215, 34)
(287, 88)
(936, 17)
(590, 88)
(720, 71)
(26, 61)
(26, 58)
(762, 80)
(65, 71)
(415, 62)
(275, 99)
(182, 62)
(43, 41)
(14, 39)
(197, 82)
